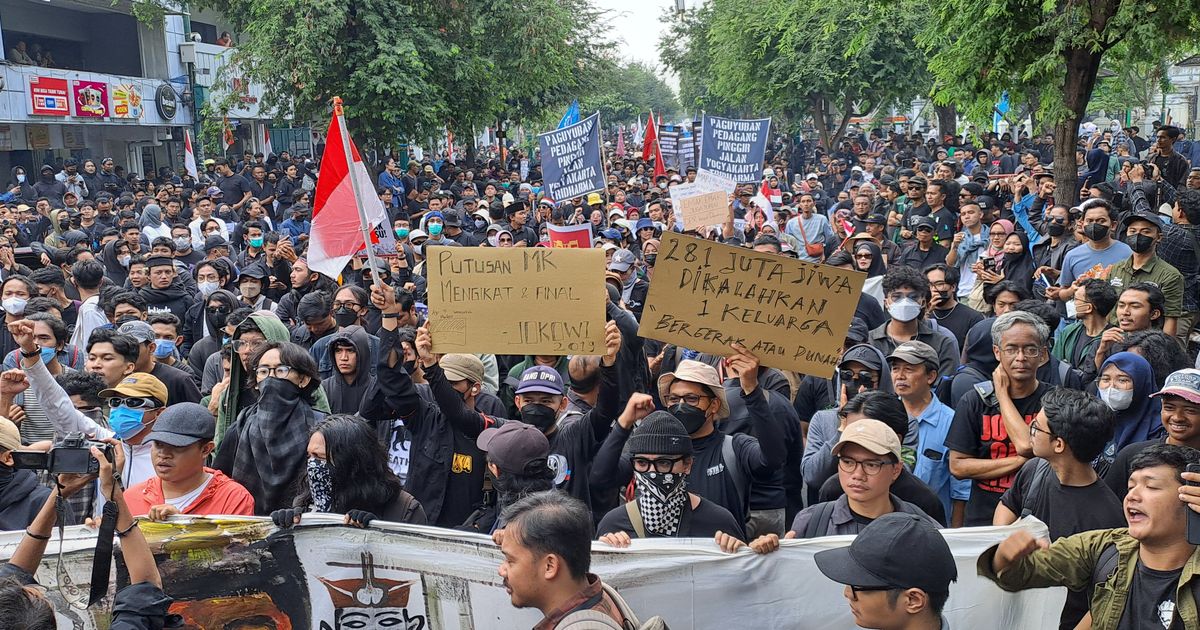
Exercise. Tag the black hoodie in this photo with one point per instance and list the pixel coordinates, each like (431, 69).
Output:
(27, 194)
(174, 299)
(21, 498)
(347, 397)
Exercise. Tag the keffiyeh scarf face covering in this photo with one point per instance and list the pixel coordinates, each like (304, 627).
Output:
(660, 499)
(320, 484)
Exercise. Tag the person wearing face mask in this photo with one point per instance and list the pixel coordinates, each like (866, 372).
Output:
(540, 397)
(50, 335)
(906, 293)
(1143, 232)
(20, 182)
(265, 448)
(1125, 384)
(662, 457)
(633, 288)
(251, 284)
(135, 399)
(518, 466)
(435, 225)
(1098, 220)
(350, 304)
(725, 466)
(21, 494)
(454, 232)
(179, 383)
(347, 472)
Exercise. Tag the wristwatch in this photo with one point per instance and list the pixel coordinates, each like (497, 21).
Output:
(390, 316)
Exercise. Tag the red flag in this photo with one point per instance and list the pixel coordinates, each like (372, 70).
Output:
(336, 226)
(650, 140)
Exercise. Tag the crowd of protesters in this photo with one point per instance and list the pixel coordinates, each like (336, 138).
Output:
(1010, 356)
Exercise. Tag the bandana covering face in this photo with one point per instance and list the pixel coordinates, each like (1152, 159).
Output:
(660, 499)
(320, 484)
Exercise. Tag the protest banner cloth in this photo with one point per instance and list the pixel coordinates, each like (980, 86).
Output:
(706, 182)
(516, 300)
(231, 572)
(383, 242)
(792, 315)
(734, 148)
(570, 236)
(571, 162)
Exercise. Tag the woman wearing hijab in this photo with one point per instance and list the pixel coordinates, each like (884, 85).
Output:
(1097, 168)
(347, 471)
(992, 256)
(868, 257)
(1125, 384)
(265, 448)
(1017, 264)
(649, 257)
(152, 224)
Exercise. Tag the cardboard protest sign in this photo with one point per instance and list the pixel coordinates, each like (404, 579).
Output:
(792, 315)
(516, 300)
(703, 210)
(577, 236)
(706, 182)
(571, 163)
(734, 148)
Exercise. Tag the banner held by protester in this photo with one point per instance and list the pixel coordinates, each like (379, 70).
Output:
(570, 236)
(793, 315)
(516, 300)
(734, 148)
(571, 162)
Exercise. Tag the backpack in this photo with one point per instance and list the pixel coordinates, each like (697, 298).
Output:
(1037, 488)
(819, 523)
(1106, 568)
(588, 619)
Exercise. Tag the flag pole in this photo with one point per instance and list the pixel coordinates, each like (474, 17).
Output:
(353, 177)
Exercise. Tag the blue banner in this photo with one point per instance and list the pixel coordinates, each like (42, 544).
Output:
(734, 148)
(571, 162)
(572, 115)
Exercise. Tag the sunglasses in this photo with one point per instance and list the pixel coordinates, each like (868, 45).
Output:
(133, 403)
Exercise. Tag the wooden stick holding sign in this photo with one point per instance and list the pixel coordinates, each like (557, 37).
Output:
(792, 315)
(516, 300)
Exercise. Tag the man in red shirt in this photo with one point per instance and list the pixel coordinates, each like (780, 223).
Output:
(181, 440)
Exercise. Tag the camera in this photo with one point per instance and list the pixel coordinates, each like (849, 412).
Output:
(71, 455)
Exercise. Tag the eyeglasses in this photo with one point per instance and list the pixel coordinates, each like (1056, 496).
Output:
(1030, 352)
(279, 371)
(348, 304)
(691, 399)
(248, 344)
(217, 309)
(661, 465)
(850, 375)
(924, 228)
(1034, 428)
(133, 403)
(871, 466)
(866, 255)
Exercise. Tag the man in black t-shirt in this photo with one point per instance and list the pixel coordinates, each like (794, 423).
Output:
(947, 311)
(1059, 486)
(235, 190)
(989, 437)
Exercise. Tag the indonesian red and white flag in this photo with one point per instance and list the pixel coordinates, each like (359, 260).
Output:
(267, 149)
(189, 156)
(650, 138)
(763, 201)
(336, 228)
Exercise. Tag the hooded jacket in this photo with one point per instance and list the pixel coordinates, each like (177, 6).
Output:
(1142, 420)
(21, 498)
(237, 396)
(118, 273)
(196, 329)
(27, 193)
(175, 299)
(347, 397)
(50, 188)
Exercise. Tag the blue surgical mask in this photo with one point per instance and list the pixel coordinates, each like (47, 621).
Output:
(537, 190)
(401, 232)
(256, 242)
(126, 422)
(48, 355)
(435, 229)
(163, 348)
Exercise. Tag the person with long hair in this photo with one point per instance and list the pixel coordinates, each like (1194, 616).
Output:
(264, 449)
(347, 472)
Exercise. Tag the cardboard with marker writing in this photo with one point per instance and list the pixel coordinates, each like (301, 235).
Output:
(516, 300)
(793, 315)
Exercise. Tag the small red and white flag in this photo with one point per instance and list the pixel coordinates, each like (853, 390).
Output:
(189, 156)
(336, 227)
(267, 149)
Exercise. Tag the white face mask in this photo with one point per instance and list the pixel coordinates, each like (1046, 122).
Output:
(206, 288)
(14, 305)
(494, 240)
(904, 310)
(1117, 399)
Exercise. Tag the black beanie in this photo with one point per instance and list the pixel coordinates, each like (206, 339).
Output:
(659, 434)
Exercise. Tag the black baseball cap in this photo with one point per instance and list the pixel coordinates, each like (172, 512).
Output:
(1142, 216)
(183, 424)
(514, 446)
(882, 555)
(926, 222)
(875, 218)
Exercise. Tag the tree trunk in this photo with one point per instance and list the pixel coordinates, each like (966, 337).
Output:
(847, 113)
(947, 117)
(817, 105)
(1082, 67)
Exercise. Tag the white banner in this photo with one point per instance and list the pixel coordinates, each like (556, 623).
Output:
(399, 577)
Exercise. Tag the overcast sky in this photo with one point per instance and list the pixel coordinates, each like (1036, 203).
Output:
(636, 28)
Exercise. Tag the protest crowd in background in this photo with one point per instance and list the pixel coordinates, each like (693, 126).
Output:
(1009, 356)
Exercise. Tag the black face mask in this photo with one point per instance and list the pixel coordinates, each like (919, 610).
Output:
(216, 320)
(410, 367)
(650, 258)
(1139, 243)
(691, 417)
(1056, 229)
(345, 317)
(539, 416)
(587, 383)
(1095, 231)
